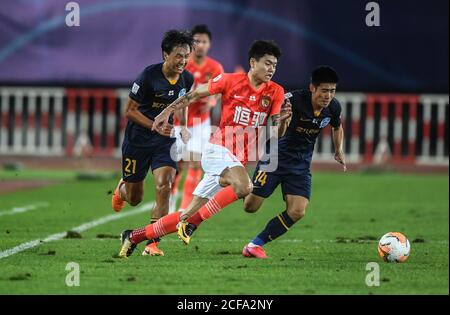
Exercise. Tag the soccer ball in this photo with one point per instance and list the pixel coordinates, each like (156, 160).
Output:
(394, 247)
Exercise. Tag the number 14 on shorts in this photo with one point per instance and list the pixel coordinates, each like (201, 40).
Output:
(261, 178)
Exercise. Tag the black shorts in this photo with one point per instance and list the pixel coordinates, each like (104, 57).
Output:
(136, 161)
(293, 182)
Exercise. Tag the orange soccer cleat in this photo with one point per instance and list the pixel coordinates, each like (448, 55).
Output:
(117, 202)
(255, 251)
(152, 250)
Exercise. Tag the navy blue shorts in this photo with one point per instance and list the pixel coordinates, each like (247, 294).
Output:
(293, 182)
(136, 161)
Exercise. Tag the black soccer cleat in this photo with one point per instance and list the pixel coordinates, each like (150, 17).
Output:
(128, 246)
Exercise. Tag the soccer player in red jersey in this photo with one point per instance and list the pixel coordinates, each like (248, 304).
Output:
(248, 100)
(203, 68)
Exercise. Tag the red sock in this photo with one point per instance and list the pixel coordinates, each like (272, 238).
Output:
(166, 225)
(175, 184)
(222, 199)
(192, 179)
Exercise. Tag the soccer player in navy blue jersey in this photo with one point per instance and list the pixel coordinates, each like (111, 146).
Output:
(312, 110)
(155, 88)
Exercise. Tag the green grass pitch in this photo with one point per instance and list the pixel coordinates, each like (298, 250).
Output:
(326, 253)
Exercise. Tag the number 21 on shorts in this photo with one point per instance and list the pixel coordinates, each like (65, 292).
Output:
(130, 166)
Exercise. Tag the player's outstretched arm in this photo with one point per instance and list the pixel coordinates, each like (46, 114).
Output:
(338, 140)
(180, 103)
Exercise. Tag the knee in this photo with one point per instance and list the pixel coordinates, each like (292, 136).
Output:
(163, 188)
(296, 214)
(250, 207)
(243, 189)
(135, 198)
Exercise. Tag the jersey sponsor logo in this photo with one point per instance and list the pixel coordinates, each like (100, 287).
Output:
(245, 117)
(135, 88)
(158, 105)
(325, 122)
(265, 101)
(160, 94)
(304, 119)
(217, 78)
(237, 97)
(182, 92)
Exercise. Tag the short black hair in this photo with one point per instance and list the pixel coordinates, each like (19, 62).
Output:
(201, 29)
(324, 74)
(260, 48)
(173, 38)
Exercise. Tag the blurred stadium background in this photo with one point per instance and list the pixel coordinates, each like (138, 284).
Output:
(62, 96)
(62, 86)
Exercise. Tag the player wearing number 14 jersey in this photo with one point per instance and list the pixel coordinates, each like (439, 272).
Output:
(313, 111)
(248, 101)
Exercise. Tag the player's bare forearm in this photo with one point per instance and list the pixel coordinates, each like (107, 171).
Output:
(132, 113)
(180, 103)
(338, 140)
(189, 98)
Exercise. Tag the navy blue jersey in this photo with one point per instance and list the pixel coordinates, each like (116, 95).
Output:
(297, 145)
(153, 92)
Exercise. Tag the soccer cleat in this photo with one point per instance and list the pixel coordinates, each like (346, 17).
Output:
(117, 202)
(128, 247)
(185, 230)
(152, 250)
(255, 251)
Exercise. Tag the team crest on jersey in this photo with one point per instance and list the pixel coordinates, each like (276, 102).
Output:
(325, 122)
(265, 101)
(182, 92)
(217, 78)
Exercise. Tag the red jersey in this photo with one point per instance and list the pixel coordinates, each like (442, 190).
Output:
(245, 107)
(209, 69)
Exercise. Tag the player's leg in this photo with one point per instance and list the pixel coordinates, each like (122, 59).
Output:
(200, 134)
(164, 169)
(221, 168)
(264, 184)
(193, 177)
(174, 191)
(164, 177)
(296, 190)
(237, 185)
(252, 203)
(135, 165)
(180, 148)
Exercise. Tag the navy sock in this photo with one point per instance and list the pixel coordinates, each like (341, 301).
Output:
(274, 229)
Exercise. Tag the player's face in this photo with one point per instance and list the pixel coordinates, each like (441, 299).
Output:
(177, 60)
(323, 94)
(201, 45)
(264, 68)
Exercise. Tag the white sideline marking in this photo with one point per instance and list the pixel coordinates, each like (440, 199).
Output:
(80, 228)
(26, 208)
